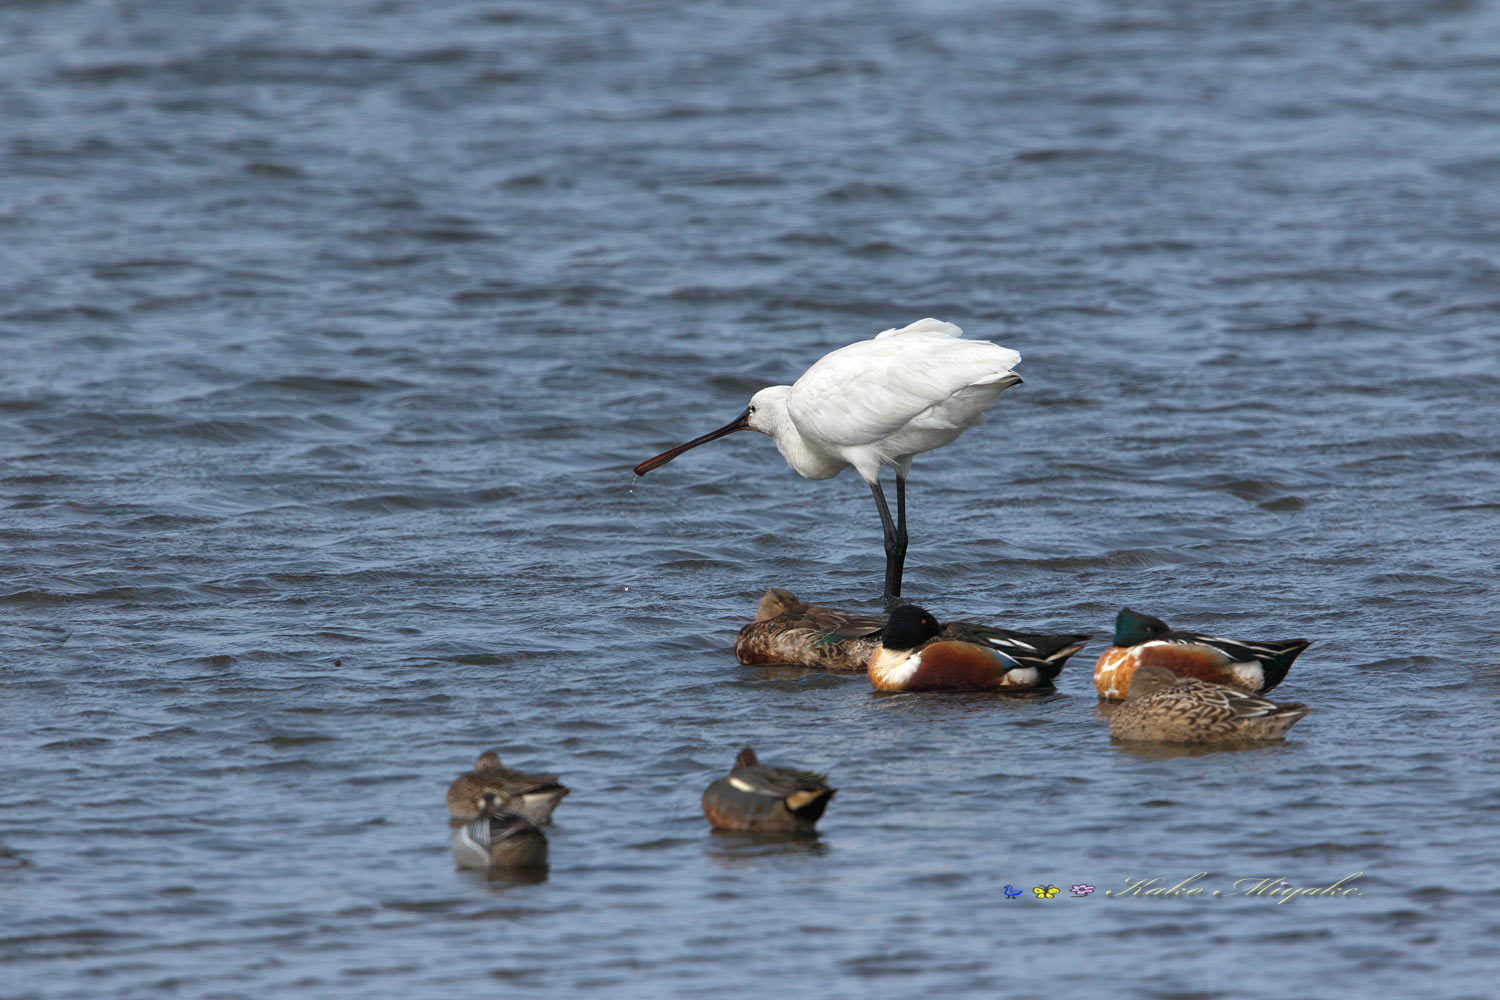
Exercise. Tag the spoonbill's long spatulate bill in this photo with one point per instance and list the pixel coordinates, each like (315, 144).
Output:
(739, 423)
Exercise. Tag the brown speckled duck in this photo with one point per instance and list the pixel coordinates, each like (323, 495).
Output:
(1141, 640)
(791, 631)
(499, 838)
(1166, 708)
(533, 796)
(764, 798)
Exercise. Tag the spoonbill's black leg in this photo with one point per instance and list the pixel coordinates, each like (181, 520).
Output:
(895, 545)
(901, 517)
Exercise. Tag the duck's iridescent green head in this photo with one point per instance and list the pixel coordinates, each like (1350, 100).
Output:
(1133, 628)
(908, 627)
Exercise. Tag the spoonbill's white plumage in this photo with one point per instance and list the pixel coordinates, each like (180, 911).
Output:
(876, 403)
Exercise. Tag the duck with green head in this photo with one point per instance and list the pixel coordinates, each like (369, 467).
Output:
(1141, 640)
(918, 654)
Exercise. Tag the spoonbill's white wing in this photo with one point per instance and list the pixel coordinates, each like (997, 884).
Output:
(928, 325)
(862, 394)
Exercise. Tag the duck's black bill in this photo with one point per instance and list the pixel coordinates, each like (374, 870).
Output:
(739, 423)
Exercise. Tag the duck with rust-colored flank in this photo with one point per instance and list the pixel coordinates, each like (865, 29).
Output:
(1141, 640)
(532, 795)
(917, 654)
(765, 798)
(1166, 708)
(499, 837)
(788, 630)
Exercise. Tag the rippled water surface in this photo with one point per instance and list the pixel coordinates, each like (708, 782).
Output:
(329, 334)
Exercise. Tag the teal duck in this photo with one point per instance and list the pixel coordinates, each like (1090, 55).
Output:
(499, 838)
(765, 798)
(533, 795)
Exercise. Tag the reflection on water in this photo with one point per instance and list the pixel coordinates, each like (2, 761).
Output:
(507, 878)
(940, 704)
(735, 849)
(1168, 751)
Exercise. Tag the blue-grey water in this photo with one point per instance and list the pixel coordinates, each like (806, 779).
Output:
(329, 333)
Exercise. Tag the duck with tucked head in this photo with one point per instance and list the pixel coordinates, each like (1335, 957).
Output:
(1166, 708)
(765, 798)
(1141, 641)
(531, 795)
(499, 837)
(789, 630)
(918, 654)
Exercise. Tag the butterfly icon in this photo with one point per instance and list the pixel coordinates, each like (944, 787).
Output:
(1011, 892)
(1045, 891)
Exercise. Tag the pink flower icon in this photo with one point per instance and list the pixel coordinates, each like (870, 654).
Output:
(1082, 890)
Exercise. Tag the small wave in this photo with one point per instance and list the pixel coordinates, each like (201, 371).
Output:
(285, 740)
(393, 503)
(323, 386)
(858, 191)
(430, 234)
(81, 743)
(274, 171)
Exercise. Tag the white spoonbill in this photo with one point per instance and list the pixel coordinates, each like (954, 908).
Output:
(874, 403)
